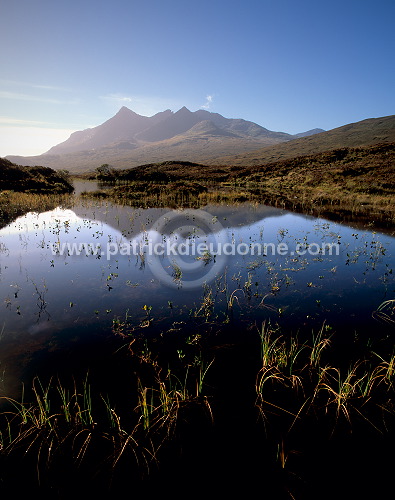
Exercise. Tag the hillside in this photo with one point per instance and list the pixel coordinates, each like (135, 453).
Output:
(42, 180)
(353, 184)
(363, 133)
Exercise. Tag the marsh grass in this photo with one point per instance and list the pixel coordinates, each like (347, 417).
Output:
(76, 426)
(329, 201)
(63, 427)
(321, 389)
(290, 398)
(15, 204)
(349, 184)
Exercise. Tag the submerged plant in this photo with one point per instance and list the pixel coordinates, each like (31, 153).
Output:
(386, 312)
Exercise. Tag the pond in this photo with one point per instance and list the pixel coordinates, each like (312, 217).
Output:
(72, 277)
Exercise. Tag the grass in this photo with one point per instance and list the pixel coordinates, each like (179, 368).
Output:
(61, 426)
(359, 392)
(30, 189)
(15, 204)
(350, 184)
(207, 399)
(386, 312)
(345, 184)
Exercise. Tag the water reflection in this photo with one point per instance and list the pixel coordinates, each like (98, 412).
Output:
(55, 299)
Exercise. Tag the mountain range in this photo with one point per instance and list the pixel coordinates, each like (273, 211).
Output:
(130, 130)
(129, 139)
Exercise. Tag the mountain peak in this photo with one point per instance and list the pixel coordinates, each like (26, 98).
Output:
(124, 111)
(183, 110)
(128, 130)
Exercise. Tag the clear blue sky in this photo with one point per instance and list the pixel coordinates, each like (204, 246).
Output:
(288, 65)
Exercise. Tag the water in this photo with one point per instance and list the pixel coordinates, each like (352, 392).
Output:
(314, 272)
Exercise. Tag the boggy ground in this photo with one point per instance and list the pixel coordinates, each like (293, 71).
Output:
(344, 184)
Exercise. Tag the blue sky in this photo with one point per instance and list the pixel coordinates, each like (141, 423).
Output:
(287, 65)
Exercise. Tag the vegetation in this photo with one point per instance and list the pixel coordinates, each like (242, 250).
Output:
(14, 204)
(346, 184)
(26, 189)
(209, 400)
(41, 180)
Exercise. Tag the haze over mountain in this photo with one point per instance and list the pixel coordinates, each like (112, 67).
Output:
(129, 139)
(136, 130)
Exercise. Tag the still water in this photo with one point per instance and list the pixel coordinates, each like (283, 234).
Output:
(69, 275)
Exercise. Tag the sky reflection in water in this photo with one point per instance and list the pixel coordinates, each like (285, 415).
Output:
(45, 295)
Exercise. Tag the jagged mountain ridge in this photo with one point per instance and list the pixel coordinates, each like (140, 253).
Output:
(133, 130)
(128, 139)
(121, 128)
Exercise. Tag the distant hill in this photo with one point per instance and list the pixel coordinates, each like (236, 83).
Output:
(127, 125)
(129, 139)
(309, 132)
(364, 133)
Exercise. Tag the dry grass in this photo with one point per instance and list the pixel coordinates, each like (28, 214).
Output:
(15, 204)
(349, 184)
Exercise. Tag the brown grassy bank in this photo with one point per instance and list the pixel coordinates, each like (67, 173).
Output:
(15, 204)
(26, 189)
(350, 184)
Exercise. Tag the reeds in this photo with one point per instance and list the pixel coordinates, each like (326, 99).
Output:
(386, 312)
(58, 422)
(15, 204)
(319, 388)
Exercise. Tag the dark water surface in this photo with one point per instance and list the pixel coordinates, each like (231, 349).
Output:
(314, 271)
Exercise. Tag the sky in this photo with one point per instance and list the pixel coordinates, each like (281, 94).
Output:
(287, 65)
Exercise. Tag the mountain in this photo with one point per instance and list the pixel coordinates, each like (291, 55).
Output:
(121, 128)
(309, 132)
(359, 134)
(129, 127)
(175, 124)
(129, 139)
